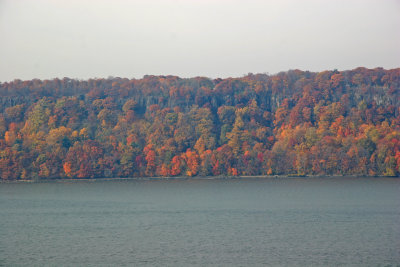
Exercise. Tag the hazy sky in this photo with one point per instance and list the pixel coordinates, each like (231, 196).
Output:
(85, 39)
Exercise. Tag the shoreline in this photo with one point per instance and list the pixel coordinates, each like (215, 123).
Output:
(197, 178)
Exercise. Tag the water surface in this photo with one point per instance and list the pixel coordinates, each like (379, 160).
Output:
(289, 222)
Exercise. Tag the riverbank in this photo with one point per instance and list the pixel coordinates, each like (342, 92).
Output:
(197, 178)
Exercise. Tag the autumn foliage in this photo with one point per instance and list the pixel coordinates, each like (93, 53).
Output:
(291, 123)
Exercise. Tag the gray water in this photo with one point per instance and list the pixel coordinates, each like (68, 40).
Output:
(276, 222)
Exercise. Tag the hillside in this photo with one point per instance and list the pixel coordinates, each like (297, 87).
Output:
(295, 122)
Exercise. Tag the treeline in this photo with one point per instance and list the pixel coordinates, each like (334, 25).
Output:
(295, 123)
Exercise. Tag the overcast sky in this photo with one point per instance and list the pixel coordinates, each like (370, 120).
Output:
(86, 39)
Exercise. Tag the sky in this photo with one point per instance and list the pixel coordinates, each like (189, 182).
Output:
(85, 39)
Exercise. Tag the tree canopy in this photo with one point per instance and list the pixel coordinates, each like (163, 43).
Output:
(291, 123)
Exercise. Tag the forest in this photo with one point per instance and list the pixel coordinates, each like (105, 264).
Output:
(291, 123)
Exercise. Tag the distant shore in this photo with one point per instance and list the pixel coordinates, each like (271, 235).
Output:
(197, 178)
